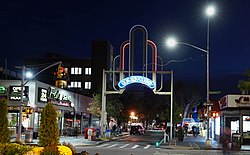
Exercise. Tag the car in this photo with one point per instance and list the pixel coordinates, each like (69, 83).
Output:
(188, 122)
(137, 129)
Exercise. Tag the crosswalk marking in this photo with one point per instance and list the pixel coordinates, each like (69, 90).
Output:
(102, 145)
(123, 146)
(134, 146)
(146, 147)
(112, 145)
(108, 145)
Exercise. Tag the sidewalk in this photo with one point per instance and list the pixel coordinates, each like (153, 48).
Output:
(80, 140)
(199, 143)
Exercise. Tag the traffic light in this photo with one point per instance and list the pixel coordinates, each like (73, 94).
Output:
(157, 144)
(215, 114)
(29, 111)
(60, 72)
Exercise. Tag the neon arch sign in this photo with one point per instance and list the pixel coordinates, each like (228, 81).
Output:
(136, 79)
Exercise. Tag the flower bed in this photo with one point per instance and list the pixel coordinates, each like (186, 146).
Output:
(64, 150)
(14, 148)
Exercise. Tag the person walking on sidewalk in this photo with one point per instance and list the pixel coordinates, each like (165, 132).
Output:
(226, 140)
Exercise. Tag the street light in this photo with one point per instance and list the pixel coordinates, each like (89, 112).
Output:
(171, 42)
(19, 134)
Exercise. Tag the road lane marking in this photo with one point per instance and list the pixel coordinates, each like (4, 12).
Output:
(112, 145)
(134, 146)
(123, 146)
(146, 147)
(102, 145)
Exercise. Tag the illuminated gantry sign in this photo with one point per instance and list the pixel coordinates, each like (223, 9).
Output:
(136, 79)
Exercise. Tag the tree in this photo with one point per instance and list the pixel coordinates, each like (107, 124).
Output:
(186, 96)
(49, 131)
(96, 105)
(244, 85)
(4, 131)
(114, 107)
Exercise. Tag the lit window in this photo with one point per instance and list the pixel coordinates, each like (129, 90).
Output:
(72, 71)
(87, 71)
(76, 70)
(80, 70)
(79, 84)
(75, 84)
(87, 85)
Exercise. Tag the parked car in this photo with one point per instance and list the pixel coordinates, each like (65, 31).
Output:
(137, 129)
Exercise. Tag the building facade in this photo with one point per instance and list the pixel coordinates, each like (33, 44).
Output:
(235, 115)
(72, 108)
(76, 77)
(102, 58)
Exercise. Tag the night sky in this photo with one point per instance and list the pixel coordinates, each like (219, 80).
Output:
(32, 28)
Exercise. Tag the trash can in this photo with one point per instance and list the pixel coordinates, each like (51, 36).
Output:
(29, 135)
(89, 133)
(98, 131)
(108, 134)
(236, 141)
(86, 133)
(93, 136)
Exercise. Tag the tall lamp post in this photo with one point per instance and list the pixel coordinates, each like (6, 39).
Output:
(171, 42)
(19, 134)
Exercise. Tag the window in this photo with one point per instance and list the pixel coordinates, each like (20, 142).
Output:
(87, 85)
(87, 71)
(76, 70)
(75, 84)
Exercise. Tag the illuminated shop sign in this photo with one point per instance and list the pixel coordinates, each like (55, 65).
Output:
(136, 79)
(59, 98)
(42, 95)
(243, 100)
(234, 101)
(3, 90)
(15, 93)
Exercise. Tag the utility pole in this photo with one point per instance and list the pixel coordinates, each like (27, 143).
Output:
(19, 134)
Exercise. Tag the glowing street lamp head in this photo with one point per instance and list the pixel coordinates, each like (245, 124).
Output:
(210, 11)
(171, 42)
(132, 113)
(29, 75)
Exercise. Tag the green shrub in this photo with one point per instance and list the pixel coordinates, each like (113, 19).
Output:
(4, 131)
(14, 149)
(49, 131)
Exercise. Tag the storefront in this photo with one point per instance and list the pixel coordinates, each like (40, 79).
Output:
(35, 96)
(235, 115)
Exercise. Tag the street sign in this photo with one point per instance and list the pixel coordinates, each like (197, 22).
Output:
(214, 92)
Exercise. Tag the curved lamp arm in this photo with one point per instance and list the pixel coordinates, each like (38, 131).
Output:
(198, 48)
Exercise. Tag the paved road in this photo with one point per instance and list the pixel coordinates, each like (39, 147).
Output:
(133, 144)
(199, 152)
(145, 145)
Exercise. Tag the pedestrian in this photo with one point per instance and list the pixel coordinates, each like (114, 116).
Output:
(226, 141)
(76, 131)
(114, 129)
(194, 129)
(186, 129)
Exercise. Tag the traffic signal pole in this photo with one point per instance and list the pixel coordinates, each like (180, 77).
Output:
(19, 133)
